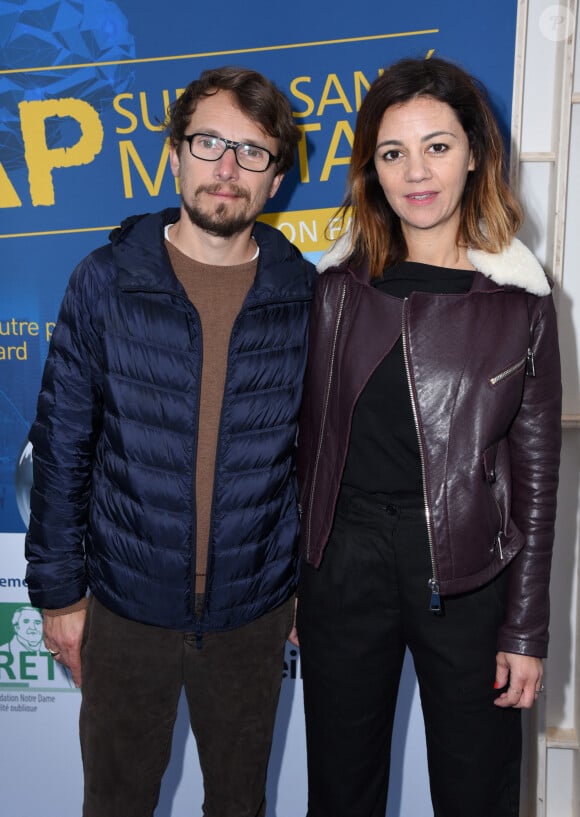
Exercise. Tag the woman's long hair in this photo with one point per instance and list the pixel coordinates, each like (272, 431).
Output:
(490, 214)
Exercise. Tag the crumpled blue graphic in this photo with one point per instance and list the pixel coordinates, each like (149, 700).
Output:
(52, 34)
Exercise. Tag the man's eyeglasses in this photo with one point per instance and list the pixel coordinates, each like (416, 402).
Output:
(211, 148)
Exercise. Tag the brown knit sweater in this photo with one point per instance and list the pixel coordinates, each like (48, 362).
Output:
(218, 294)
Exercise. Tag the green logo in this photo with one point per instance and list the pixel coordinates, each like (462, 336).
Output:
(24, 660)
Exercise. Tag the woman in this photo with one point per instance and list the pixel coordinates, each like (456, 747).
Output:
(429, 453)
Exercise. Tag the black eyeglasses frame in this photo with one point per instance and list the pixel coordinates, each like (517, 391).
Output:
(230, 145)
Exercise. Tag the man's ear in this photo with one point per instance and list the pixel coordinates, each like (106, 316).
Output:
(276, 182)
(174, 160)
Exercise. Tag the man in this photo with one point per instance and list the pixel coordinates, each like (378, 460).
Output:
(164, 464)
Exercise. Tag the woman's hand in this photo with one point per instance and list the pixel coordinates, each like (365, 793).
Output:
(524, 675)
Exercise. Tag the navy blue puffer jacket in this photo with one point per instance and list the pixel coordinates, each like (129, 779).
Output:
(114, 440)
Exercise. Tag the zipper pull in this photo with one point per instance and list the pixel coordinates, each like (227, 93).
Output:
(498, 544)
(435, 603)
(530, 364)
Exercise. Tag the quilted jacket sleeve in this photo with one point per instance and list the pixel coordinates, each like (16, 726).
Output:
(63, 437)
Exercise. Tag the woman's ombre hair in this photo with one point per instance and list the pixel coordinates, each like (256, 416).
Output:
(490, 214)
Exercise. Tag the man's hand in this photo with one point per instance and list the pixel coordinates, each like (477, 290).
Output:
(293, 636)
(62, 638)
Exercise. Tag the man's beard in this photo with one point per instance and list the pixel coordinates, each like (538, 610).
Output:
(218, 222)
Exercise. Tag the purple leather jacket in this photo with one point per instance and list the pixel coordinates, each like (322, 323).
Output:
(484, 378)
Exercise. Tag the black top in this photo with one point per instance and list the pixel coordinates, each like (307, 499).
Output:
(383, 455)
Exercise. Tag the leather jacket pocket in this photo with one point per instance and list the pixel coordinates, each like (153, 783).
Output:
(509, 371)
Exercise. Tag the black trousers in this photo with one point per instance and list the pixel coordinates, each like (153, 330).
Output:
(356, 615)
(133, 675)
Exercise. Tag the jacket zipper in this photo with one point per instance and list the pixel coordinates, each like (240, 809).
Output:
(196, 618)
(324, 415)
(243, 310)
(527, 361)
(497, 538)
(435, 599)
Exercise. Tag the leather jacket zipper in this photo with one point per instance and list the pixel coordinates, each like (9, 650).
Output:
(435, 599)
(527, 361)
(324, 416)
(497, 538)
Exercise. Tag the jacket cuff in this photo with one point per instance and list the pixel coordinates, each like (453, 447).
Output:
(538, 648)
(63, 611)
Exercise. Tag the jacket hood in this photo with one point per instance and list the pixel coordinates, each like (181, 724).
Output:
(138, 247)
(515, 266)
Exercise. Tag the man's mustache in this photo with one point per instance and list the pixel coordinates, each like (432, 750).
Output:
(231, 189)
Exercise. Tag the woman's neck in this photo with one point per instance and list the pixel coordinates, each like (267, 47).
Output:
(442, 250)
(455, 258)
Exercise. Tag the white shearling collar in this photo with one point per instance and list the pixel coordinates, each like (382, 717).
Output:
(514, 266)
(338, 252)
